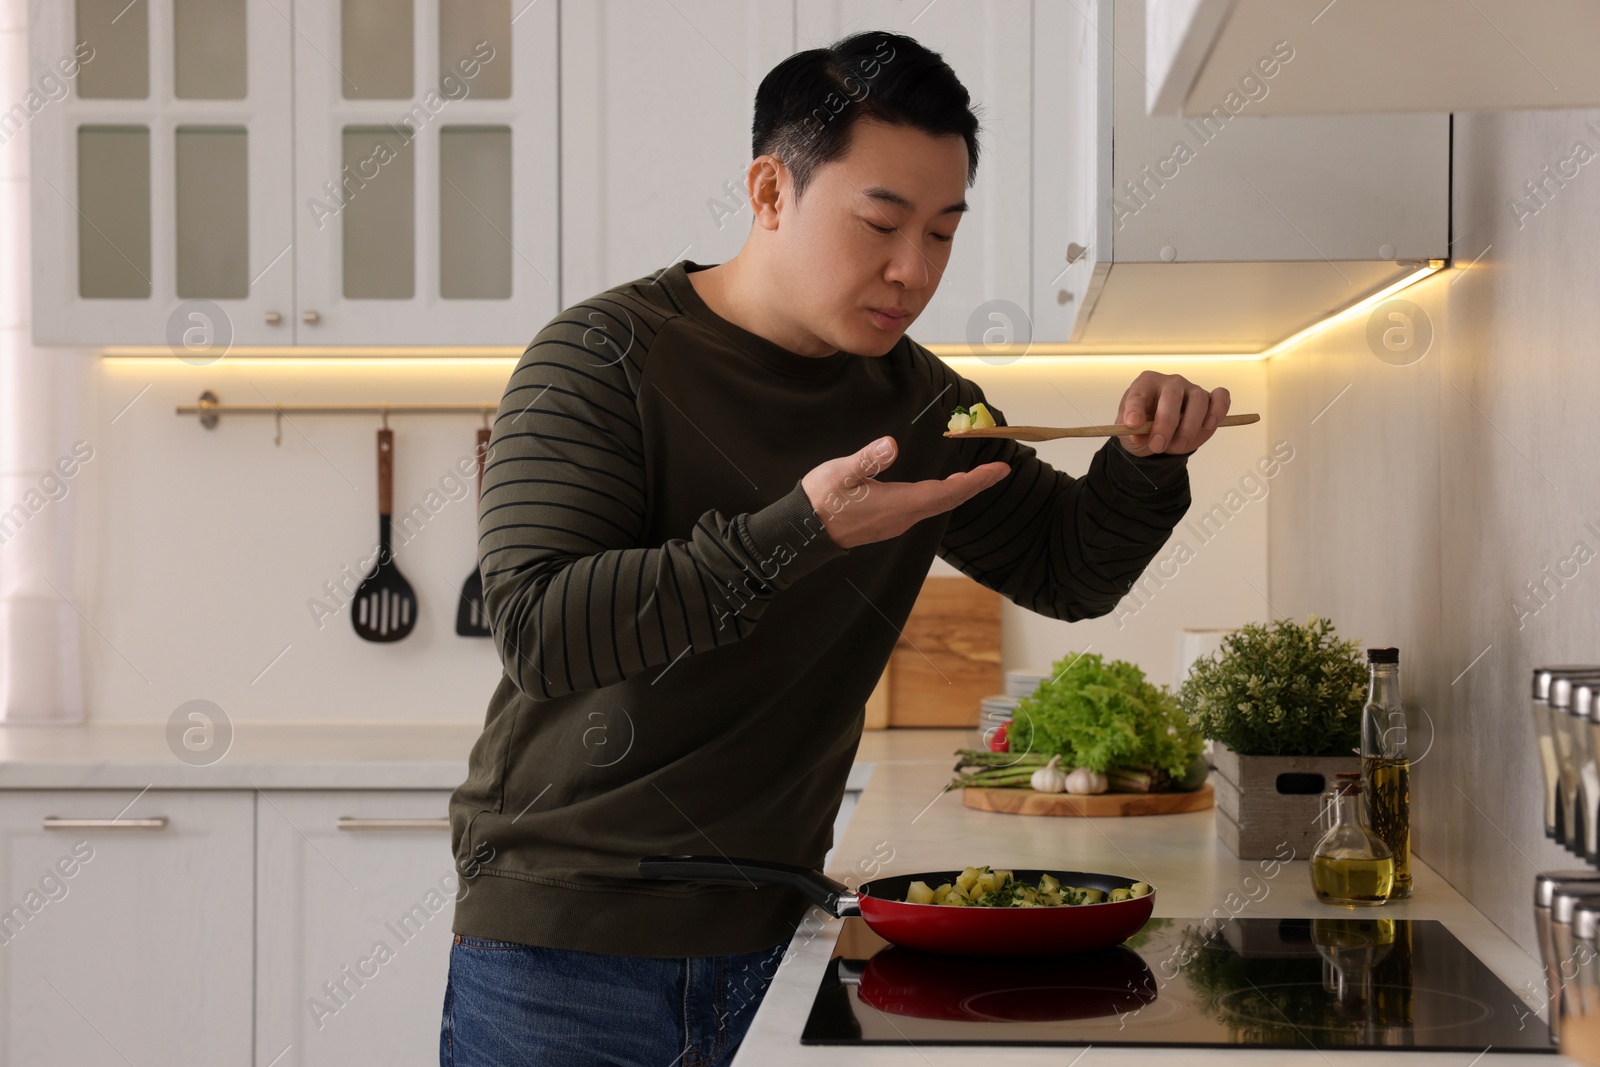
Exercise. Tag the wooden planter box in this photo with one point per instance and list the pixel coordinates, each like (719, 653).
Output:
(1265, 803)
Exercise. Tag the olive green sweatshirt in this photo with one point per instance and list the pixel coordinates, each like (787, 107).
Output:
(687, 653)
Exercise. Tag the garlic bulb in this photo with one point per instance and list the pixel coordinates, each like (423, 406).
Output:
(1084, 781)
(1049, 778)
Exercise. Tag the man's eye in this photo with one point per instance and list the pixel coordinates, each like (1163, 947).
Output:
(945, 237)
(882, 229)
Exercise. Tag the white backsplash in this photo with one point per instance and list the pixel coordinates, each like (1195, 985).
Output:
(209, 553)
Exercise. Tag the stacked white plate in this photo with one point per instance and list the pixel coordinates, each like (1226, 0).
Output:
(997, 709)
(1000, 707)
(1023, 683)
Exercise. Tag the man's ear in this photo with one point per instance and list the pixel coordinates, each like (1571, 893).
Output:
(768, 184)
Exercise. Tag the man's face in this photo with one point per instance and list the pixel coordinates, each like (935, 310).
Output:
(873, 233)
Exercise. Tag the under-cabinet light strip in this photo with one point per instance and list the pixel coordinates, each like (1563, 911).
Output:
(957, 354)
(1431, 267)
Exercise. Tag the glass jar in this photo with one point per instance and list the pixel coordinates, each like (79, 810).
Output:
(1351, 866)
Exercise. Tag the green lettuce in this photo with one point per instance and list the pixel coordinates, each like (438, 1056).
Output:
(1103, 716)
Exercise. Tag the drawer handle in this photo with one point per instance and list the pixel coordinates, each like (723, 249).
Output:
(50, 822)
(347, 823)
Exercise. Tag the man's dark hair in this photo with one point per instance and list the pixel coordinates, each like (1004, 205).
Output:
(807, 104)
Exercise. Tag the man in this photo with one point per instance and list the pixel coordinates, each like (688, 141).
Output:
(712, 498)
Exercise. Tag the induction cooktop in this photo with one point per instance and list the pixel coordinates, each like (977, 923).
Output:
(1323, 983)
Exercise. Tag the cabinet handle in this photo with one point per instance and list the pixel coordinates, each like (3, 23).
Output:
(347, 823)
(50, 822)
(274, 318)
(310, 318)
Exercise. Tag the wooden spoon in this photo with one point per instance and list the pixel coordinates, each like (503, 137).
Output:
(1050, 433)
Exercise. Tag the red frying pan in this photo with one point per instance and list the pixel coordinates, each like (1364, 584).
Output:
(940, 928)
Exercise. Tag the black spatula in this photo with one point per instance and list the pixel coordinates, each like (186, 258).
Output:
(472, 618)
(385, 608)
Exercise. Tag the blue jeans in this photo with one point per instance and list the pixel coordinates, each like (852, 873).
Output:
(508, 1004)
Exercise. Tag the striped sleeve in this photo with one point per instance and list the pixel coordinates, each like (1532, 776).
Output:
(575, 598)
(1068, 548)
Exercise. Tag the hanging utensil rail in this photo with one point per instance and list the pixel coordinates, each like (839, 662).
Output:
(210, 410)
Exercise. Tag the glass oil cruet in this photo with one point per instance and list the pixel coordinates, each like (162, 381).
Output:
(1351, 866)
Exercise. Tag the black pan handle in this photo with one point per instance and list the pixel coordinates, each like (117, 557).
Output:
(833, 897)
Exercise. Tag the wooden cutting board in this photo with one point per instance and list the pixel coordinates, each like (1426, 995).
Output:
(948, 656)
(1031, 802)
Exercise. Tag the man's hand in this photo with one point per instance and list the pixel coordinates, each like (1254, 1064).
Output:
(858, 510)
(1184, 414)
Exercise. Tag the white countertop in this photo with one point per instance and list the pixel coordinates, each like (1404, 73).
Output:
(903, 821)
(266, 755)
(262, 755)
(903, 810)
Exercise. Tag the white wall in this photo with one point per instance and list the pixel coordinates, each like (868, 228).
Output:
(1432, 494)
(1205, 577)
(211, 544)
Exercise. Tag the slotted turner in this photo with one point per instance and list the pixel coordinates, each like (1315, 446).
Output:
(385, 608)
(1051, 433)
(472, 618)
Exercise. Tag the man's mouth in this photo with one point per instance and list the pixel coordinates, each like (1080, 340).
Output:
(888, 320)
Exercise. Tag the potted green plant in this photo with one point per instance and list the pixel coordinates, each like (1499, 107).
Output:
(1283, 703)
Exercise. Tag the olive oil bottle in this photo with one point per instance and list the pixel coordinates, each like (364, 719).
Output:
(1386, 763)
(1350, 865)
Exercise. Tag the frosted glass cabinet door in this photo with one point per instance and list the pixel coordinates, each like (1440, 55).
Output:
(425, 171)
(161, 182)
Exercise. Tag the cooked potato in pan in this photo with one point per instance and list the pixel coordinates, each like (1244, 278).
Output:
(985, 887)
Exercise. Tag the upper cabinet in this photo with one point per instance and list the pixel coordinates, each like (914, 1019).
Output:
(339, 172)
(985, 295)
(1224, 233)
(1362, 56)
(426, 197)
(656, 102)
(162, 175)
(635, 197)
(455, 172)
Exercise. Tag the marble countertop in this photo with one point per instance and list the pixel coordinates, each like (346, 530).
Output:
(905, 823)
(259, 755)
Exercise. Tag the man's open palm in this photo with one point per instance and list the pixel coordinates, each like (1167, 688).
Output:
(857, 509)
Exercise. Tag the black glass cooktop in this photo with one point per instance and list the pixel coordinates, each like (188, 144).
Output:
(1324, 983)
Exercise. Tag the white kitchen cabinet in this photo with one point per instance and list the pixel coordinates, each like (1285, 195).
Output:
(1365, 56)
(656, 102)
(160, 173)
(988, 43)
(371, 172)
(426, 169)
(1070, 166)
(127, 939)
(356, 894)
(634, 200)
(1222, 234)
